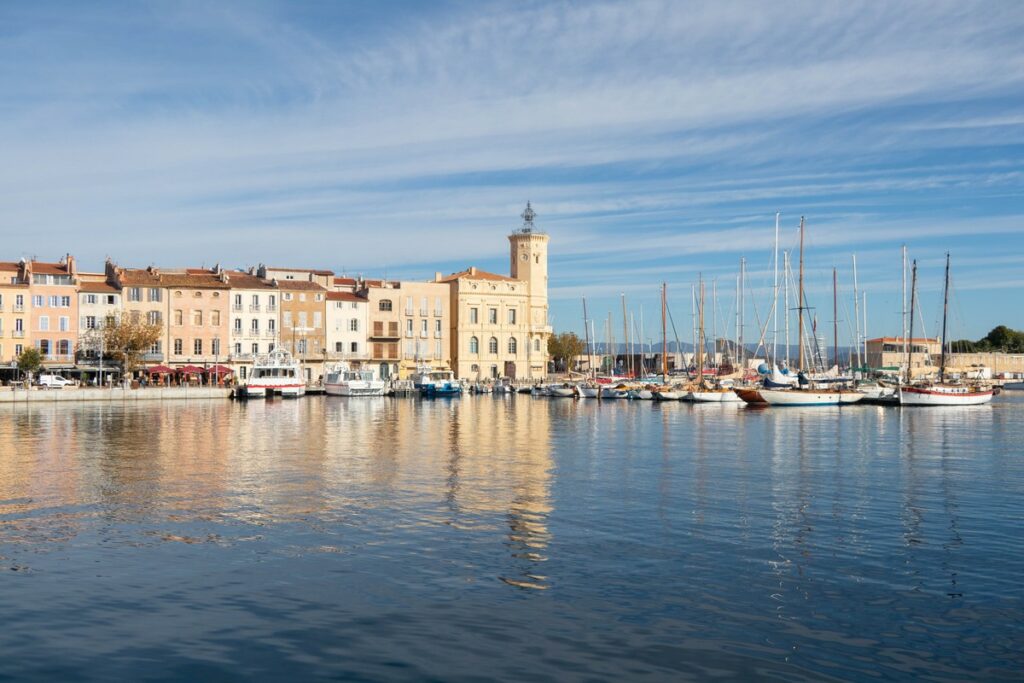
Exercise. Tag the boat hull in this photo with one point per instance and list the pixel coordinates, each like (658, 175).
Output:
(668, 395)
(916, 396)
(714, 397)
(563, 392)
(361, 389)
(799, 397)
(590, 392)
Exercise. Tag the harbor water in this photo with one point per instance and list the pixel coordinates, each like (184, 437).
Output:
(510, 537)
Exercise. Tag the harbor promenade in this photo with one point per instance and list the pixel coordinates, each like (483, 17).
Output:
(69, 395)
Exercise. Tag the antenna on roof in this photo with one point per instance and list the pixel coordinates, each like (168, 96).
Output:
(528, 217)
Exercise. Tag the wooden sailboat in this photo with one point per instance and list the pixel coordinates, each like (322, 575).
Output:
(941, 393)
(702, 391)
(806, 393)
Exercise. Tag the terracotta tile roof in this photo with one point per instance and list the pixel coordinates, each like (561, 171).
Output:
(238, 279)
(314, 271)
(476, 274)
(98, 287)
(9, 265)
(139, 276)
(192, 281)
(380, 283)
(297, 285)
(42, 267)
(345, 296)
(344, 281)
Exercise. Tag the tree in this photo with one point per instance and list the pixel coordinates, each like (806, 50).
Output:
(127, 338)
(565, 347)
(30, 360)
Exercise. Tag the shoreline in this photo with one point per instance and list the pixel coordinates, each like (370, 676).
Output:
(94, 394)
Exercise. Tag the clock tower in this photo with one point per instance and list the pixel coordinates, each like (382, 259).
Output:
(528, 249)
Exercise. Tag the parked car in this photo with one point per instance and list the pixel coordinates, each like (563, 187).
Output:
(53, 382)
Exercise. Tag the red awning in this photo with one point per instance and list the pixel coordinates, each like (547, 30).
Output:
(159, 370)
(219, 370)
(190, 370)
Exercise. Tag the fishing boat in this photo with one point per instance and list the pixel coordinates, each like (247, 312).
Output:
(275, 373)
(941, 393)
(589, 390)
(341, 380)
(436, 383)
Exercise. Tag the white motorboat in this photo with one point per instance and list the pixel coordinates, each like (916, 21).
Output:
(642, 394)
(341, 380)
(613, 392)
(562, 391)
(275, 373)
(590, 391)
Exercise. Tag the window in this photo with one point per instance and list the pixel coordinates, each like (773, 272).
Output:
(437, 349)
(177, 347)
(301, 346)
(423, 306)
(238, 302)
(197, 318)
(44, 346)
(238, 348)
(238, 325)
(19, 301)
(44, 323)
(302, 297)
(317, 319)
(408, 305)
(287, 318)
(153, 317)
(353, 325)
(215, 318)
(64, 323)
(474, 316)
(423, 328)
(408, 327)
(255, 325)
(354, 348)
(384, 305)
(492, 316)
(156, 347)
(474, 345)
(339, 347)
(536, 345)
(438, 310)
(271, 325)
(111, 299)
(492, 345)
(19, 349)
(65, 302)
(90, 322)
(272, 302)
(134, 294)
(64, 347)
(437, 328)
(154, 294)
(511, 316)
(197, 347)
(474, 368)
(319, 297)
(513, 346)
(90, 298)
(198, 295)
(53, 301)
(255, 300)
(215, 347)
(19, 325)
(255, 349)
(37, 301)
(302, 318)
(178, 317)
(287, 296)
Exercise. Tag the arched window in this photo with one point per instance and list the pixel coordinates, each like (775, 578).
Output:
(385, 305)
(474, 345)
(512, 346)
(493, 345)
(536, 345)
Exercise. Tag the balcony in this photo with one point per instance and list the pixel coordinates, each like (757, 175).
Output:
(255, 308)
(424, 312)
(18, 334)
(423, 334)
(437, 334)
(153, 357)
(236, 308)
(540, 329)
(19, 308)
(438, 312)
(271, 308)
(270, 334)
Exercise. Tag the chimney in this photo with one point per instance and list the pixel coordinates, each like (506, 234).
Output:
(472, 271)
(437, 276)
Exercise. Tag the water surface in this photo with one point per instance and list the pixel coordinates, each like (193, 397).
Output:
(517, 538)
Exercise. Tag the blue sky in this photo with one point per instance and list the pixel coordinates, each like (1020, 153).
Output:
(656, 141)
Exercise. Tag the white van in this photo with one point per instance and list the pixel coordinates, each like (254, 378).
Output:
(54, 382)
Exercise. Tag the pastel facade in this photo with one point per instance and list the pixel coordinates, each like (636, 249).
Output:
(53, 291)
(99, 303)
(15, 332)
(143, 297)
(303, 305)
(255, 319)
(425, 327)
(197, 320)
(347, 316)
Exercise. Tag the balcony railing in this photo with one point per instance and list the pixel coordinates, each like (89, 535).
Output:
(423, 312)
(271, 308)
(18, 334)
(254, 308)
(19, 308)
(270, 333)
(237, 308)
(438, 312)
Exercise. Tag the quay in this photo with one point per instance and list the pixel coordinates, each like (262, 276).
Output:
(112, 394)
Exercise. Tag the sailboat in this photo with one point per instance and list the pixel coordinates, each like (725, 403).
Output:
(665, 392)
(590, 388)
(806, 393)
(703, 392)
(941, 393)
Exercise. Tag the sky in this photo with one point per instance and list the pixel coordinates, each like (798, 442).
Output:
(655, 140)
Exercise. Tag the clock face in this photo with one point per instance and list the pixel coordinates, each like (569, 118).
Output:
(525, 256)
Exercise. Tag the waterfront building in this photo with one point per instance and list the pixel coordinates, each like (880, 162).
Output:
(303, 305)
(410, 326)
(53, 310)
(99, 304)
(347, 320)
(143, 296)
(500, 323)
(255, 319)
(383, 334)
(324, 278)
(888, 353)
(197, 316)
(15, 331)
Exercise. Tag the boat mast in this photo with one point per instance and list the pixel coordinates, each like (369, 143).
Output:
(586, 331)
(743, 285)
(904, 330)
(700, 347)
(785, 287)
(714, 321)
(625, 336)
(736, 339)
(945, 310)
(864, 330)
(835, 317)
(910, 342)
(664, 335)
(856, 312)
(775, 294)
(800, 300)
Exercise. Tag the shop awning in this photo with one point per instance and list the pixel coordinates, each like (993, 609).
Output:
(190, 370)
(159, 370)
(219, 370)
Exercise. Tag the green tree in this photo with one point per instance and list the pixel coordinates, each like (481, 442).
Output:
(565, 347)
(30, 360)
(1003, 338)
